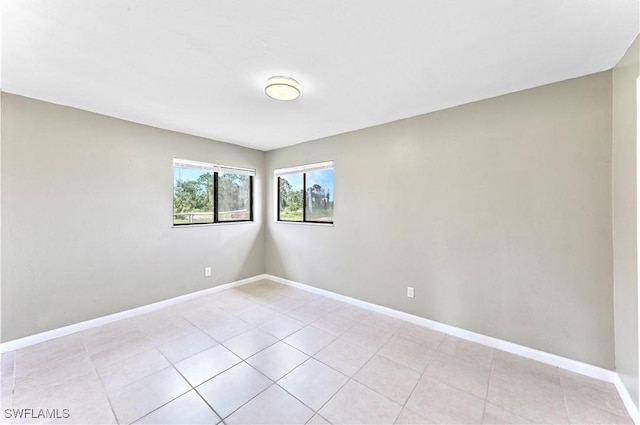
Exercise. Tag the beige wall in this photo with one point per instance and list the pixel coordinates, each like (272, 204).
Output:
(624, 218)
(86, 215)
(497, 212)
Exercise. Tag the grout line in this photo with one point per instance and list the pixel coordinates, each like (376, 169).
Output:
(486, 398)
(208, 405)
(251, 366)
(335, 338)
(564, 397)
(422, 374)
(13, 383)
(95, 369)
(351, 378)
(186, 380)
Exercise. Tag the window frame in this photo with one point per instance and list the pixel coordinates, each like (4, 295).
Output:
(215, 169)
(303, 169)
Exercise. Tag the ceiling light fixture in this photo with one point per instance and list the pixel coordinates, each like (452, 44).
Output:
(282, 88)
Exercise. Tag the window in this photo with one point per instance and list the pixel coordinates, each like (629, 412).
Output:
(305, 193)
(207, 193)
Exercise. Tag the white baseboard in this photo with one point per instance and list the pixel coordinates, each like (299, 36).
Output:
(627, 400)
(541, 356)
(16, 344)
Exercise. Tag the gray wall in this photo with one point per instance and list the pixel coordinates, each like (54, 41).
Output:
(497, 212)
(87, 223)
(625, 218)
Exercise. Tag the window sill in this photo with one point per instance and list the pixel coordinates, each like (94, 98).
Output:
(305, 223)
(223, 223)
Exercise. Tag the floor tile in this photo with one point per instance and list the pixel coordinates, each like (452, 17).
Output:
(582, 412)
(153, 319)
(313, 383)
(326, 304)
(383, 322)
(303, 295)
(233, 388)
(165, 328)
(186, 346)
(497, 415)
(119, 348)
(83, 396)
(383, 356)
(295, 293)
(259, 315)
(131, 369)
(250, 342)
(351, 312)
(407, 417)
(285, 305)
(598, 393)
(55, 349)
(306, 314)
(468, 351)
(333, 324)
(229, 296)
(6, 390)
(230, 328)
(8, 363)
(209, 317)
(277, 360)
(406, 352)
(318, 420)
(239, 305)
(282, 326)
(52, 373)
(309, 340)
(420, 334)
(206, 364)
(273, 406)
(94, 338)
(144, 396)
(467, 377)
(441, 403)
(388, 378)
(357, 404)
(191, 306)
(344, 356)
(526, 370)
(265, 297)
(521, 394)
(260, 289)
(367, 336)
(186, 409)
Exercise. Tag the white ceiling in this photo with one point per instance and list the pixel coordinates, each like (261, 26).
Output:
(198, 66)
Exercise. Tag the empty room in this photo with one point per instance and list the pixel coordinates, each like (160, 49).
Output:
(327, 212)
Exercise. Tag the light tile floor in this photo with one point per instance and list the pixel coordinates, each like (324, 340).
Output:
(271, 354)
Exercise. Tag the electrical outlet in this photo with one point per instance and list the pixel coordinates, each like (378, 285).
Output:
(207, 271)
(409, 292)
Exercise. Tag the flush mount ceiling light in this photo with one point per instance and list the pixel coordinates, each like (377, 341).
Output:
(282, 88)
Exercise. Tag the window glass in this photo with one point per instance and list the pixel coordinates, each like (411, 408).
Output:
(192, 196)
(291, 190)
(319, 192)
(234, 197)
